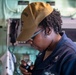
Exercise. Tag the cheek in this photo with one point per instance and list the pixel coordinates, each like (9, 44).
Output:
(40, 43)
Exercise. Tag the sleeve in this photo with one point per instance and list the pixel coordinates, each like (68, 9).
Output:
(70, 67)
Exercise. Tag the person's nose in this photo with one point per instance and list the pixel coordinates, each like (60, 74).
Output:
(30, 41)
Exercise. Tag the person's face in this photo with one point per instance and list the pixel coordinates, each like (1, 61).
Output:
(39, 41)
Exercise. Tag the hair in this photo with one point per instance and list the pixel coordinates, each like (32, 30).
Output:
(53, 20)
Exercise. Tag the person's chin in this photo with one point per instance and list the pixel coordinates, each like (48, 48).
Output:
(39, 49)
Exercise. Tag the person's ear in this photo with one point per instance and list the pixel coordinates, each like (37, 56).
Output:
(48, 31)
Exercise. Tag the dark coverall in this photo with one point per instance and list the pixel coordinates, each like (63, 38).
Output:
(62, 61)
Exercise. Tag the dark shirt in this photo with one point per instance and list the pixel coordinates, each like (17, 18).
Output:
(62, 61)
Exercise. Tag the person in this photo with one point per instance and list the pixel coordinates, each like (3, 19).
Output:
(41, 28)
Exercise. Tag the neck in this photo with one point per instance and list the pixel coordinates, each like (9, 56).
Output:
(54, 42)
